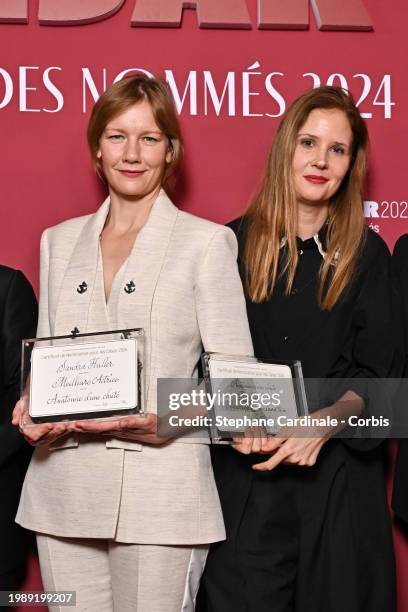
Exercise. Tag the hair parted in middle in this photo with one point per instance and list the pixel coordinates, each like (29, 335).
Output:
(272, 215)
(125, 93)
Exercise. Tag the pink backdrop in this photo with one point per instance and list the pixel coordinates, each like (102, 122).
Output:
(49, 75)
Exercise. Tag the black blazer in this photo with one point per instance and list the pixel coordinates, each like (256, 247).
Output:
(400, 491)
(18, 320)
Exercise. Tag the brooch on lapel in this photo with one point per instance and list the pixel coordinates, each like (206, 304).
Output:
(82, 287)
(129, 287)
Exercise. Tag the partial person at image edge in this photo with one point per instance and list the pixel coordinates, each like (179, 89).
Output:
(18, 320)
(400, 489)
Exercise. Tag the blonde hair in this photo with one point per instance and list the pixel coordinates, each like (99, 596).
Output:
(124, 94)
(272, 215)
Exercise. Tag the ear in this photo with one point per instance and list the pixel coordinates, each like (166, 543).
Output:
(99, 154)
(169, 155)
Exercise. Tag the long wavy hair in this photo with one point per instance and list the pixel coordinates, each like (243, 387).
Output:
(272, 215)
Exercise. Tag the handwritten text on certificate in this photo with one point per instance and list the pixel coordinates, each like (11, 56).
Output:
(83, 378)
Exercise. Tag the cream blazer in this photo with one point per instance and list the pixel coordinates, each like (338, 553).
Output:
(187, 295)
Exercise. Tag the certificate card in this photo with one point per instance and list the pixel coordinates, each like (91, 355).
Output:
(83, 376)
(246, 393)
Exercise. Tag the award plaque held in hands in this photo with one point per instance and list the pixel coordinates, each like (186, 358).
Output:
(249, 394)
(82, 376)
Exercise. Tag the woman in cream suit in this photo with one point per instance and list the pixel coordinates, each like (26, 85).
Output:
(121, 518)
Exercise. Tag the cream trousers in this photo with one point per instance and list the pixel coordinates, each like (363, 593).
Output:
(110, 576)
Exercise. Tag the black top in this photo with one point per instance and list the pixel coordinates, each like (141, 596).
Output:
(354, 339)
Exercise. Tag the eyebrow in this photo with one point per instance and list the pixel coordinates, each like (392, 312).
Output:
(113, 129)
(336, 142)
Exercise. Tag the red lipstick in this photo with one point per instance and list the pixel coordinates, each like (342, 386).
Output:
(132, 173)
(316, 179)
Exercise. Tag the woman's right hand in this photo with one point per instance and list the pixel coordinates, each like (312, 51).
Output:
(254, 440)
(42, 434)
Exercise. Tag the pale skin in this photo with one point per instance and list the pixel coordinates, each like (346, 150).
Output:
(321, 161)
(133, 153)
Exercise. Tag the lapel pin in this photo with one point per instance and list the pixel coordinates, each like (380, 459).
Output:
(82, 287)
(129, 287)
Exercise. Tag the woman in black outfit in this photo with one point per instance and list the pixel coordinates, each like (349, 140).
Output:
(307, 525)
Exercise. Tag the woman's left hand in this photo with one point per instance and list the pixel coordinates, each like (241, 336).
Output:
(138, 428)
(299, 445)
(289, 448)
(292, 445)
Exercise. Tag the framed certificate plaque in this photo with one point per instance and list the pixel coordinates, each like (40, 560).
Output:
(83, 376)
(249, 394)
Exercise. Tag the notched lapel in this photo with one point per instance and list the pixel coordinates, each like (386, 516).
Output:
(73, 307)
(143, 269)
(145, 263)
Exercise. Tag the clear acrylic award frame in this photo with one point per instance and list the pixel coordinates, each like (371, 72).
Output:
(279, 382)
(82, 376)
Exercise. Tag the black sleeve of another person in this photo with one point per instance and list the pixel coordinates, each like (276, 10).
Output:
(18, 320)
(400, 491)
